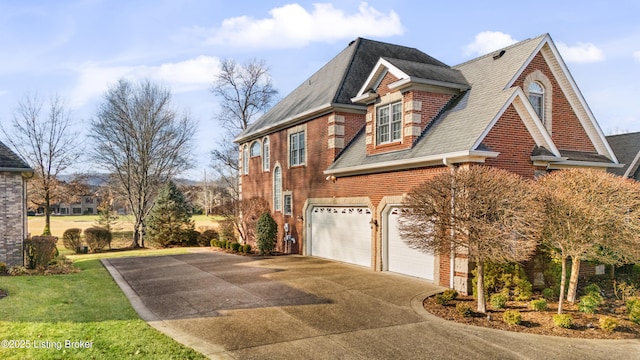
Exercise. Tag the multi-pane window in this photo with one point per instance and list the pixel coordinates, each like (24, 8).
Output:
(287, 204)
(255, 149)
(277, 189)
(536, 97)
(265, 154)
(389, 123)
(296, 149)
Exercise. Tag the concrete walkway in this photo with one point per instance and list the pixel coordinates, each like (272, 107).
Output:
(292, 307)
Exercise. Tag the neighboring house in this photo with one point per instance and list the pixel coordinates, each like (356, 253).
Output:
(87, 205)
(336, 156)
(627, 150)
(14, 173)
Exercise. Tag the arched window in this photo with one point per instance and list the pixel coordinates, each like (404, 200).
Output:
(255, 148)
(265, 154)
(536, 97)
(277, 189)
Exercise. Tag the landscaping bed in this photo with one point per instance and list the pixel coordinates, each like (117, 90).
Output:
(535, 322)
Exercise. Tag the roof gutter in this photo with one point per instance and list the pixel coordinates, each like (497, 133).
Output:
(423, 161)
(414, 80)
(575, 163)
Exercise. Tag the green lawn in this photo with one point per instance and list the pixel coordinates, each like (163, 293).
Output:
(47, 312)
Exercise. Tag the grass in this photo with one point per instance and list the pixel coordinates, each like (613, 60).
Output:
(87, 306)
(60, 223)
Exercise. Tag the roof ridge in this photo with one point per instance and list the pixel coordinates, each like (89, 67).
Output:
(500, 49)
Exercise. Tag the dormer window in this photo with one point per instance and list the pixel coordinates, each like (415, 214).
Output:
(389, 123)
(536, 97)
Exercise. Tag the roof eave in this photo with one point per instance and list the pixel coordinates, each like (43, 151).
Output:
(477, 156)
(301, 117)
(577, 164)
(402, 83)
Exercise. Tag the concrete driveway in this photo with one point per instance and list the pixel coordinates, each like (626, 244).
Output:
(293, 307)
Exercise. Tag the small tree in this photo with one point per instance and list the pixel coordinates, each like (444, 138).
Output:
(589, 214)
(266, 234)
(169, 222)
(489, 213)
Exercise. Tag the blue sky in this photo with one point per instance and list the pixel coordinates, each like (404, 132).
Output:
(77, 49)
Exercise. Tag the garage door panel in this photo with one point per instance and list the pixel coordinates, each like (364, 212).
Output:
(341, 233)
(403, 259)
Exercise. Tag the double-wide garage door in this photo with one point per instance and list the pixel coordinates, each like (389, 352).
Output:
(341, 233)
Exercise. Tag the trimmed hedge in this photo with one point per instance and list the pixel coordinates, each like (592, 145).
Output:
(72, 240)
(39, 251)
(97, 238)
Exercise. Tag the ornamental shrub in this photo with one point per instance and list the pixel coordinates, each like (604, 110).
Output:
(3, 267)
(538, 305)
(39, 251)
(507, 278)
(564, 321)
(633, 308)
(235, 246)
(589, 303)
(446, 297)
(246, 248)
(549, 294)
(608, 324)
(266, 234)
(97, 238)
(592, 289)
(169, 221)
(512, 317)
(227, 230)
(214, 243)
(498, 300)
(464, 310)
(72, 240)
(206, 236)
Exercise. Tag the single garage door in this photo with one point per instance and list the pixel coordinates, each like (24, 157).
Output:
(401, 258)
(341, 233)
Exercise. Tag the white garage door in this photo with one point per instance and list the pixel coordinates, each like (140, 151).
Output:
(341, 233)
(403, 259)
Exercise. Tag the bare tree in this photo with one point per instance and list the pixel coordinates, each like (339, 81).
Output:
(591, 215)
(46, 140)
(487, 212)
(143, 141)
(245, 92)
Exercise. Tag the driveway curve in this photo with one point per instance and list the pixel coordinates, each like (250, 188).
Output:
(293, 307)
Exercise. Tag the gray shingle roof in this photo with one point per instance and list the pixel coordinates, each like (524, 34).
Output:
(334, 84)
(9, 161)
(627, 148)
(429, 71)
(462, 125)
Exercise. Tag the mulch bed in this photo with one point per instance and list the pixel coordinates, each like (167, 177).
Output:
(534, 322)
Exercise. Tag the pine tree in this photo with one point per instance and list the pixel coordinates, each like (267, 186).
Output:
(169, 222)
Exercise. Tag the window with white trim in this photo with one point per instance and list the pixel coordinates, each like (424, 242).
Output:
(265, 154)
(245, 160)
(255, 148)
(277, 189)
(288, 204)
(389, 123)
(296, 149)
(536, 97)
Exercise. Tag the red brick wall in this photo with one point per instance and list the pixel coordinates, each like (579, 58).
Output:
(567, 132)
(510, 137)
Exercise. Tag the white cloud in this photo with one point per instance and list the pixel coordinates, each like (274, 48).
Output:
(636, 55)
(189, 75)
(488, 41)
(580, 53)
(293, 26)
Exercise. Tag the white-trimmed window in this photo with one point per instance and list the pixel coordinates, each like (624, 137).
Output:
(536, 97)
(389, 123)
(245, 160)
(265, 154)
(277, 189)
(296, 149)
(287, 203)
(255, 148)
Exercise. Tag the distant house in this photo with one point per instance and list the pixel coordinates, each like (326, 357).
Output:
(335, 157)
(14, 173)
(627, 150)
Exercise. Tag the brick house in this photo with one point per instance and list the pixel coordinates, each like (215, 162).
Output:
(14, 173)
(335, 157)
(627, 149)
